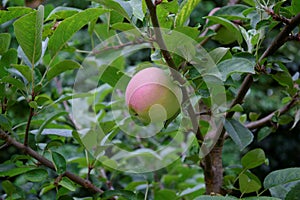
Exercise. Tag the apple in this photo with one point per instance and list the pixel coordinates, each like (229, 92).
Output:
(152, 95)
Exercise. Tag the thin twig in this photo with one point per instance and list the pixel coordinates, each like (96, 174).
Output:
(31, 114)
(263, 121)
(48, 163)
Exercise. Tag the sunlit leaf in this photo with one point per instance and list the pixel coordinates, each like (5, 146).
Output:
(28, 30)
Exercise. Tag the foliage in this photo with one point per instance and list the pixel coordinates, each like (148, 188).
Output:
(64, 130)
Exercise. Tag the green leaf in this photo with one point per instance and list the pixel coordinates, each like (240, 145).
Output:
(120, 193)
(68, 27)
(237, 108)
(25, 70)
(62, 67)
(47, 121)
(60, 13)
(261, 198)
(281, 177)
(5, 123)
(232, 12)
(219, 53)
(36, 175)
(68, 184)
(264, 132)
(230, 27)
(284, 78)
(15, 82)
(110, 4)
(239, 133)
(14, 171)
(165, 194)
(294, 193)
(137, 9)
(253, 158)
(296, 6)
(112, 75)
(207, 197)
(235, 65)
(8, 58)
(28, 30)
(285, 119)
(8, 187)
(4, 42)
(125, 27)
(249, 184)
(185, 12)
(59, 162)
(13, 12)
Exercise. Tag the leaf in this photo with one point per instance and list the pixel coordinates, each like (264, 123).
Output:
(55, 131)
(249, 184)
(235, 65)
(125, 27)
(25, 70)
(296, 6)
(62, 67)
(207, 197)
(110, 4)
(137, 9)
(68, 184)
(4, 42)
(281, 177)
(68, 27)
(112, 75)
(62, 13)
(297, 118)
(120, 193)
(261, 198)
(253, 158)
(13, 12)
(14, 171)
(284, 78)
(47, 121)
(8, 58)
(218, 53)
(59, 162)
(264, 132)
(294, 193)
(185, 12)
(5, 123)
(230, 27)
(195, 189)
(36, 175)
(8, 187)
(239, 133)
(165, 194)
(28, 31)
(15, 82)
(232, 12)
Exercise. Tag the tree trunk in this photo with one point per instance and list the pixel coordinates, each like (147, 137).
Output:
(213, 171)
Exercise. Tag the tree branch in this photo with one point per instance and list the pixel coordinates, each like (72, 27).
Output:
(261, 122)
(85, 183)
(31, 114)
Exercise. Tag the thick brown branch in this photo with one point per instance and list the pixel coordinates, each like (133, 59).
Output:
(281, 38)
(9, 140)
(261, 122)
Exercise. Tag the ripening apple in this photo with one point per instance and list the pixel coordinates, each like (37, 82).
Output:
(152, 96)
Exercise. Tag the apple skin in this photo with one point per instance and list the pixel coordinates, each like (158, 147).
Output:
(152, 95)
